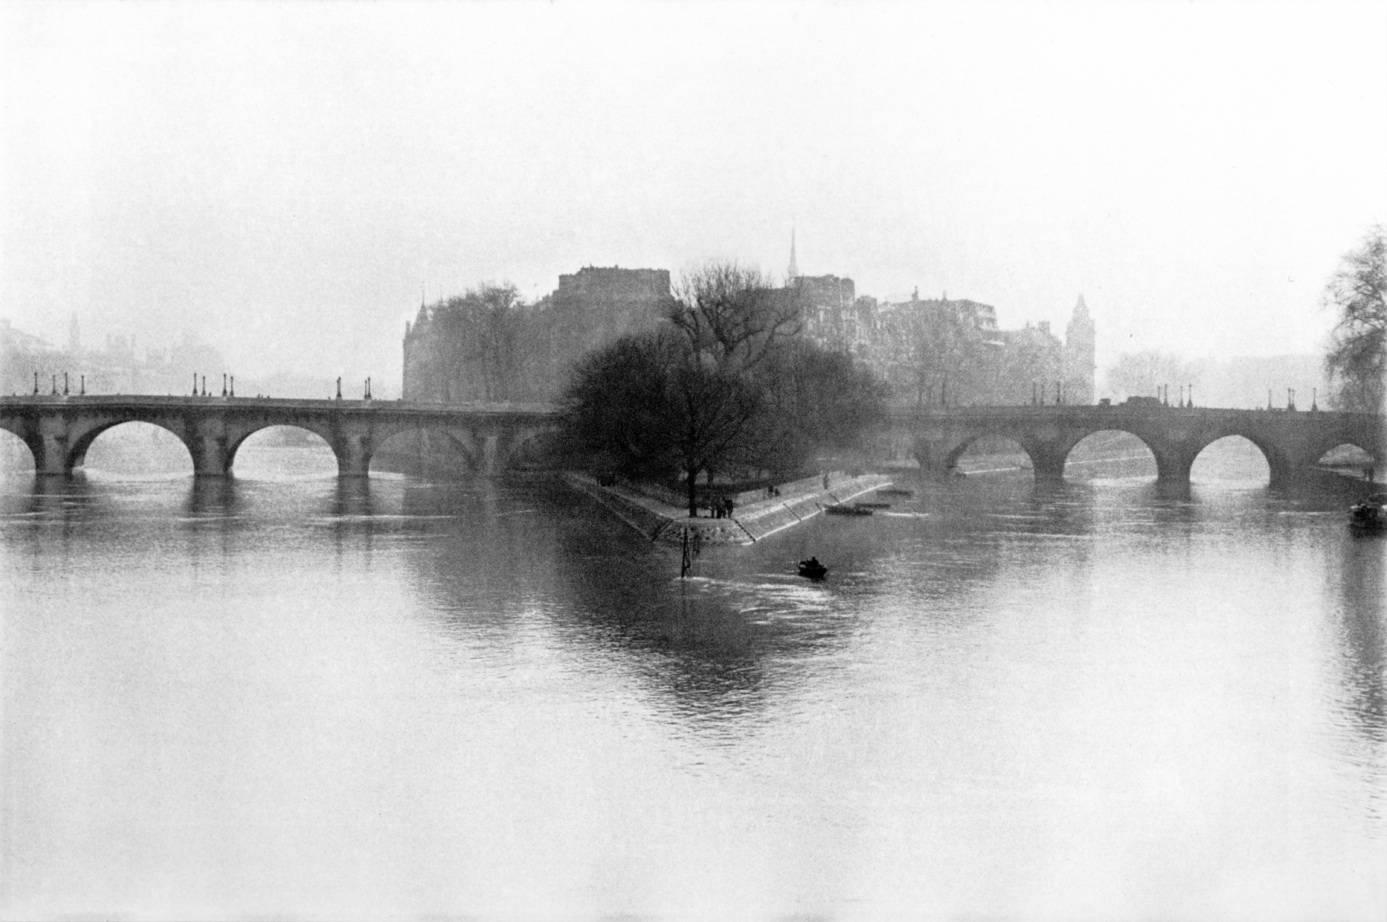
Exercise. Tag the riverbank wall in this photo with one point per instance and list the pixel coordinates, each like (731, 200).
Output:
(752, 521)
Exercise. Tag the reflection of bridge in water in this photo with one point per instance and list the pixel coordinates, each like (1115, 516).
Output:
(60, 429)
(1292, 442)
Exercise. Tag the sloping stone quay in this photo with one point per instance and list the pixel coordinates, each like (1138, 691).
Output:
(662, 521)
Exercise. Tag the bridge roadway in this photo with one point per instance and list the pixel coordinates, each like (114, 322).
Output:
(59, 429)
(1292, 441)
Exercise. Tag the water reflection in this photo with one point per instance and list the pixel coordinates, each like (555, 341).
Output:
(1009, 699)
(211, 497)
(1362, 646)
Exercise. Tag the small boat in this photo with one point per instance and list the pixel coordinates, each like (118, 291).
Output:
(840, 509)
(895, 491)
(872, 505)
(812, 569)
(1371, 513)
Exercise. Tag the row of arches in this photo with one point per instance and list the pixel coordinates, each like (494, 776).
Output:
(1116, 453)
(145, 449)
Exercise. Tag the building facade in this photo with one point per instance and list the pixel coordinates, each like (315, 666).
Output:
(487, 346)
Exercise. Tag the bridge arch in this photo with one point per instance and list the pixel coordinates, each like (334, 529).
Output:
(1119, 443)
(316, 441)
(1229, 446)
(459, 441)
(526, 445)
(236, 437)
(14, 447)
(81, 438)
(1346, 453)
(1280, 465)
(1002, 442)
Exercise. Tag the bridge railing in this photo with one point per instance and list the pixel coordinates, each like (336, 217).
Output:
(1117, 409)
(328, 403)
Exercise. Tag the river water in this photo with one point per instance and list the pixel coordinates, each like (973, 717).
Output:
(285, 696)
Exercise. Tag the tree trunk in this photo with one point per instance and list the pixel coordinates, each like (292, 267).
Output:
(693, 492)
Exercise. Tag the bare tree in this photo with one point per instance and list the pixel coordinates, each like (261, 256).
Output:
(1357, 357)
(1150, 373)
(732, 315)
(482, 343)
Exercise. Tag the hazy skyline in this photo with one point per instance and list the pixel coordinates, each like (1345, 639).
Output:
(283, 179)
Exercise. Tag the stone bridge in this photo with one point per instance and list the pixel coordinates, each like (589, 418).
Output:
(60, 429)
(1291, 441)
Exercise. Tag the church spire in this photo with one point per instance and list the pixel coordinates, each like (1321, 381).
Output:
(792, 273)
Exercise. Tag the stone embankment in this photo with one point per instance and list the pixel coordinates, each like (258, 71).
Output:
(659, 520)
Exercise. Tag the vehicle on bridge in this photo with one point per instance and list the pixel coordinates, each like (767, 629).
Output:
(1370, 514)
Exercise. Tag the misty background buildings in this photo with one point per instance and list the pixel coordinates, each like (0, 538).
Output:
(489, 344)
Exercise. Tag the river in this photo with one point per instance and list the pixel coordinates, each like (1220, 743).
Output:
(288, 696)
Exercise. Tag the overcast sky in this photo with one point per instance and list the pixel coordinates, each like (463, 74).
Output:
(283, 178)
